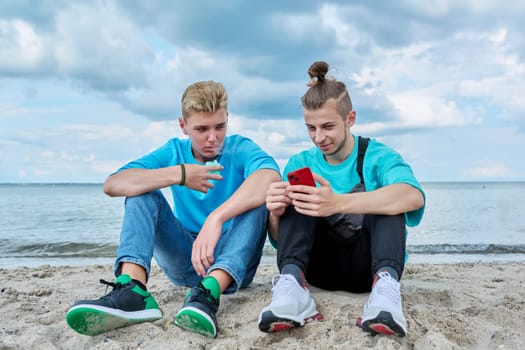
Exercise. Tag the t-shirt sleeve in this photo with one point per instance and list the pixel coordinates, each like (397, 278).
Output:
(159, 158)
(387, 167)
(253, 158)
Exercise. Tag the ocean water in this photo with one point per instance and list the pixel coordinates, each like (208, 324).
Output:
(76, 224)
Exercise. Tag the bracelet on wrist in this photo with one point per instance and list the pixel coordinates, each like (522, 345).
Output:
(182, 174)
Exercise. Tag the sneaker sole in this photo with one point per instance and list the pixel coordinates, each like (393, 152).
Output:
(197, 321)
(383, 323)
(94, 320)
(270, 323)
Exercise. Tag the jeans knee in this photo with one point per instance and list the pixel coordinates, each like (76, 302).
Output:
(151, 196)
(150, 202)
(257, 213)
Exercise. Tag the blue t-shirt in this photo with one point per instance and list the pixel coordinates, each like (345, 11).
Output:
(382, 166)
(240, 157)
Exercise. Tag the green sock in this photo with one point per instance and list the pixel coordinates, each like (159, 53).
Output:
(211, 284)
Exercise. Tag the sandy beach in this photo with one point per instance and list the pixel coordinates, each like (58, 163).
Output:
(448, 306)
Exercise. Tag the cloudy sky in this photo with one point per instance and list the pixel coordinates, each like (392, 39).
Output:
(86, 86)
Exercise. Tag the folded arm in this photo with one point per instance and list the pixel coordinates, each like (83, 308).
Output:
(249, 195)
(389, 200)
(137, 181)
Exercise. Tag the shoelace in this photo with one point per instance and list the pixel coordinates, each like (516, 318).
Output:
(204, 297)
(283, 283)
(282, 279)
(115, 286)
(387, 286)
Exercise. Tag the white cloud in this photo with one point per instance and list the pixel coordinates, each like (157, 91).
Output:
(22, 48)
(420, 108)
(487, 169)
(99, 45)
(200, 59)
(47, 154)
(159, 132)
(276, 138)
(332, 19)
(94, 132)
(105, 167)
(505, 91)
(42, 173)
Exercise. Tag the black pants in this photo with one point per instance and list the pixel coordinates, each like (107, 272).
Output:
(329, 264)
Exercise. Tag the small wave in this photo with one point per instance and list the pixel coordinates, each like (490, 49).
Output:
(99, 250)
(467, 249)
(63, 249)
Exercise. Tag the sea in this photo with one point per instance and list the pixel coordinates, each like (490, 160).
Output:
(77, 224)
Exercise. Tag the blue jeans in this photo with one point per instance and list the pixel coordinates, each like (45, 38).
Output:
(150, 229)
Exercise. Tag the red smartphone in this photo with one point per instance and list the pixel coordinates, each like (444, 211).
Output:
(301, 176)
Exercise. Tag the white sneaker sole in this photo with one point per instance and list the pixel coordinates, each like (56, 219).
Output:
(383, 322)
(271, 322)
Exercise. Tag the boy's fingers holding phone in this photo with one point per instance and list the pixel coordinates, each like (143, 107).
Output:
(301, 192)
(277, 185)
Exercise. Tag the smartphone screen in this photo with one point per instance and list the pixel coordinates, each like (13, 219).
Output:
(301, 176)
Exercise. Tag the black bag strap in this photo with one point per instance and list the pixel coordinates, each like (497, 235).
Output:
(361, 149)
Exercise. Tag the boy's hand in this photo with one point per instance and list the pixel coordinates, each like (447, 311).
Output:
(277, 198)
(204, 245)
(198, 176)
(314, 201)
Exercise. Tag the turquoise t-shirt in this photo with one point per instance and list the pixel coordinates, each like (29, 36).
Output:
(382, 166)
(240, 157)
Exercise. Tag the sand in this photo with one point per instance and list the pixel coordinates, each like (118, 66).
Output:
(455, 306)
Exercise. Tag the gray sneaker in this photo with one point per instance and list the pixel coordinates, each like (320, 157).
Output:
(291, 306)
(383, 312)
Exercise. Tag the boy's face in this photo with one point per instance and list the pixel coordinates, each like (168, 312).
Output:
(329, 131)
(206, 132)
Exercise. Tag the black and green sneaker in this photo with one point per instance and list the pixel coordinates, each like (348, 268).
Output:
(198, 312)
(126, 304)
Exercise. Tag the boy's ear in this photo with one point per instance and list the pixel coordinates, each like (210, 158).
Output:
(350, 120)
(182, 124)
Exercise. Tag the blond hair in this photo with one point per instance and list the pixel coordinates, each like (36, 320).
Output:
(204, 96)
